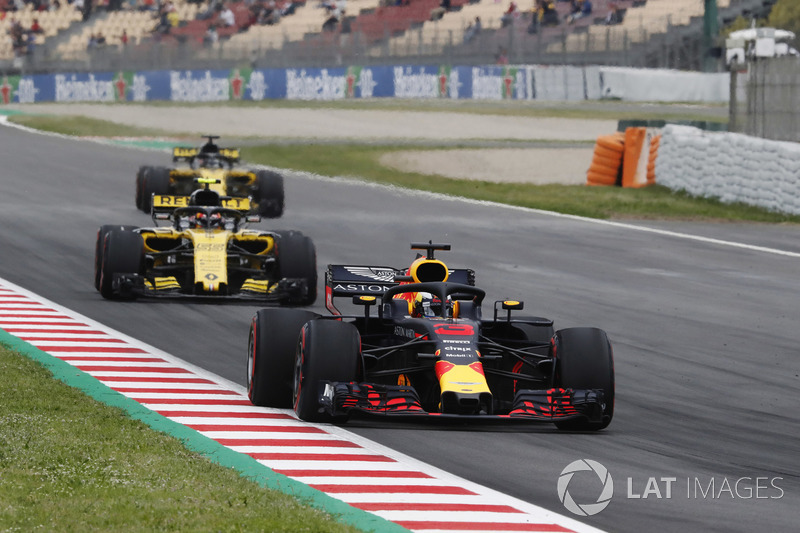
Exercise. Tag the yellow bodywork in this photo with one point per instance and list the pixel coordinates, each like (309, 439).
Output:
(210, 256)
(463, 379)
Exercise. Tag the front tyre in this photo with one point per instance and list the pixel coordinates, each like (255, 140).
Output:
(140, 174)
(98, 248)
(155, 181)
(328, 350)
(123, 253)
(270, 193)
(584, 360)
(271, 350)
(297, 259)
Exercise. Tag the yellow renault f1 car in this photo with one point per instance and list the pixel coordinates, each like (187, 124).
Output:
(418, 346)
(264, 188)
(206, 251)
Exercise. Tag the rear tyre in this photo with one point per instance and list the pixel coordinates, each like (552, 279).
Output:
(140, 174)
(156, 181)
(297, 258)
(123, 253)
(270, 193)
(274, 334)
(328, 351)
(98, 248)
(584, 360)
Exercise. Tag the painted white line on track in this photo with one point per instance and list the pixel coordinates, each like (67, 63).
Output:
(426, 194)
(341, 464)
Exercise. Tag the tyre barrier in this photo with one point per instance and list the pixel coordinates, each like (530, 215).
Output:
(625, 159)
(606, 167)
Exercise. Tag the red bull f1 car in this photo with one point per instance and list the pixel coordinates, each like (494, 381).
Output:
(418, 345)
(263, 188)
(205, 251)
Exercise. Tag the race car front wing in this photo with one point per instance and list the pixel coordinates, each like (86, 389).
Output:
(127, 285)
(341, 399)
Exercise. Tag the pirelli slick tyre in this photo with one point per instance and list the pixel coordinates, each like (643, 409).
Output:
(297, 258)
(140, 185)
(584, 360)
(123, 253)
(98, 248)
(328, 350)
(274, 335)
(270, 193)
(155, 181)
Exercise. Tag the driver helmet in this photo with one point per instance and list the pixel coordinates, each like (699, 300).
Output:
(208, 160)
(215, 220)
(427, 305)
(198, 220)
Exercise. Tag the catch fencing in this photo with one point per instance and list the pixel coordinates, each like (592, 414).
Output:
(770, 104)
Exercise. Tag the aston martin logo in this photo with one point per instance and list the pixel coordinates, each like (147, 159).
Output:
(378, 274)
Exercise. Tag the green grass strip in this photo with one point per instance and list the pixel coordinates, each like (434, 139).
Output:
(194, 441)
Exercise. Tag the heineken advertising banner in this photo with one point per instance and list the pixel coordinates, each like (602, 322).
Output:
(485, 82)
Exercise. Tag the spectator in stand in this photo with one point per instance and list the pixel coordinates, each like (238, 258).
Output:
(614, 15)
(100, 39)
(211, 36)
(438, 12)
(549, 15)
(585, 9)
(509, 15)
(211, 10)
(473, 30)
(335, 16)
(226, 16)
(123, 39)
(35, 27)
(92, 42)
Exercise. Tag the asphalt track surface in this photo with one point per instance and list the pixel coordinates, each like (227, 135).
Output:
(705, 334)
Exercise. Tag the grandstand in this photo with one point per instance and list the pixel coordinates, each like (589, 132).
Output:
(642, 20)
(371, 32)
(51, 21)
(138, 25)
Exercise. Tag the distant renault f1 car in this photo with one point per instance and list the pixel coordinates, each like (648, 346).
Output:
(263, 187)
(427, 352)
(206, 251)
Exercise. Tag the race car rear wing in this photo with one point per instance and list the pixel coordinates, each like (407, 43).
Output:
(359, 280)
(163, 206)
